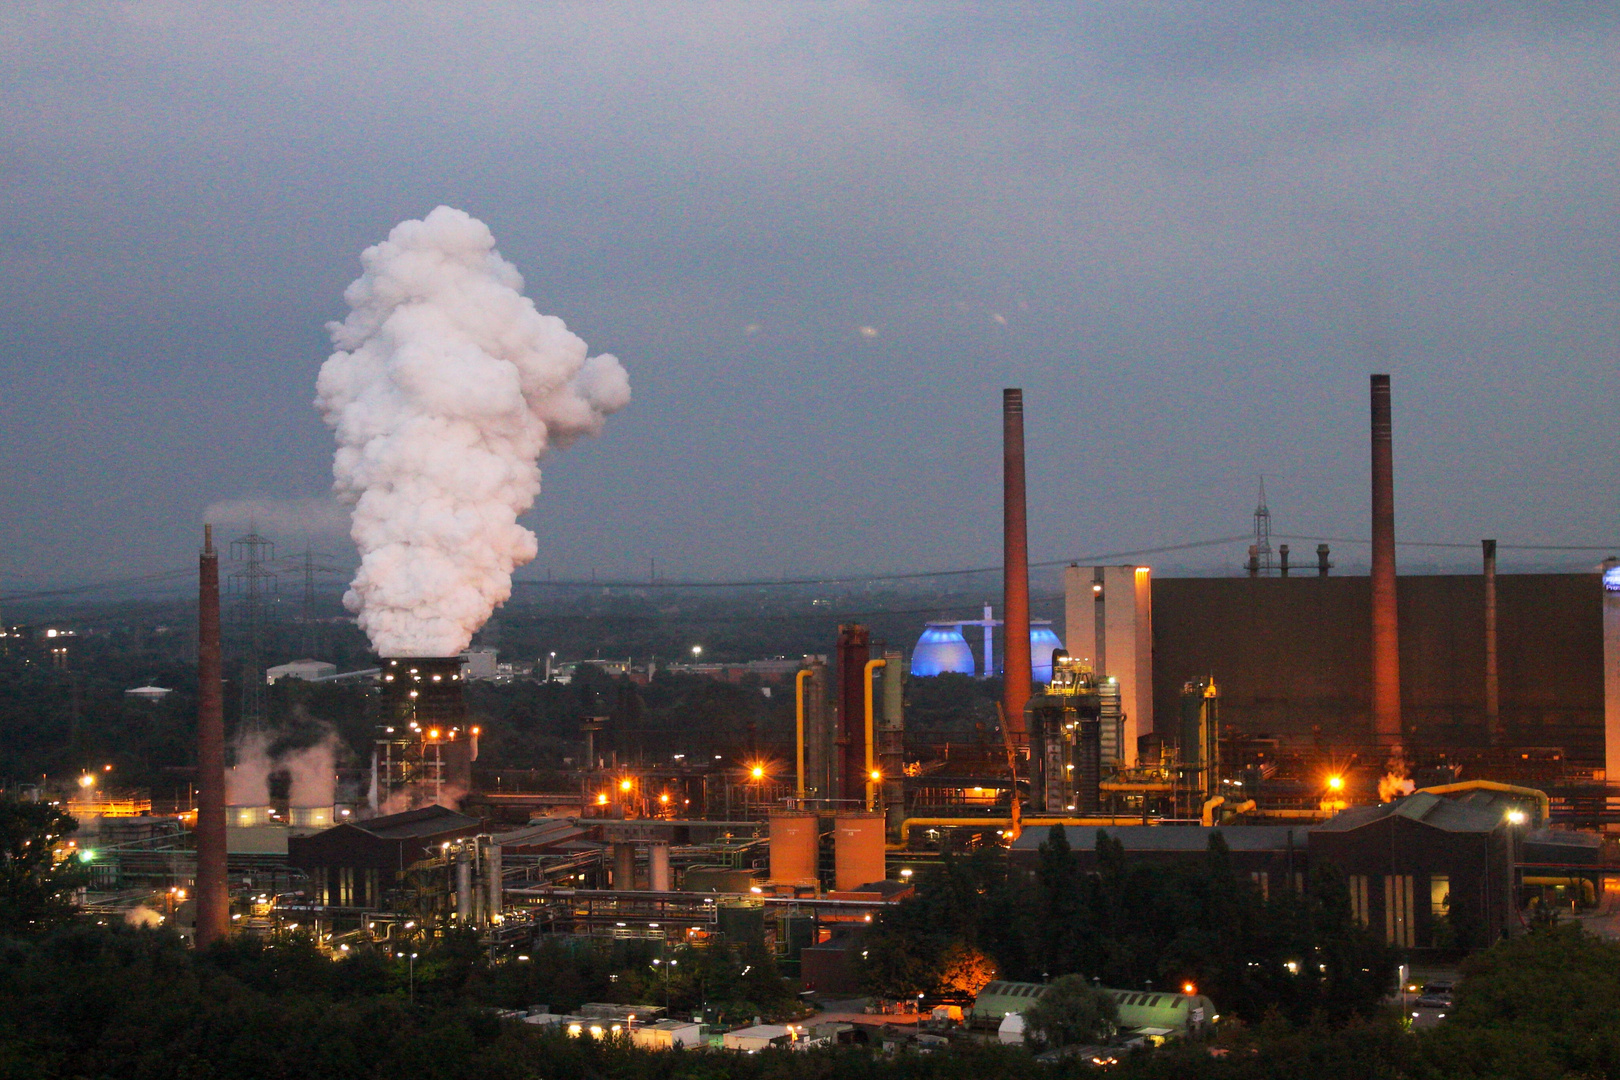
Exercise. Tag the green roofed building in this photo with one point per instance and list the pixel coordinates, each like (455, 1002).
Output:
(1178, 1014)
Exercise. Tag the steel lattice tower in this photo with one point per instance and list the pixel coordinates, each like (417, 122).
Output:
(309, 566)
(251, 584)
(1261, 553)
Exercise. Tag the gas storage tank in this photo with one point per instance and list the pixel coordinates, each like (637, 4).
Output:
(857, 850)
(942, 650)
(1043, 641)
(795, 845)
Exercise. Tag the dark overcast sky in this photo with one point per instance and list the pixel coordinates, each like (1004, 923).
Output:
(1188, 230)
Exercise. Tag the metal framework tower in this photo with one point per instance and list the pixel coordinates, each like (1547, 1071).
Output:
(308, 565)
(251, 584)
(1260, 553)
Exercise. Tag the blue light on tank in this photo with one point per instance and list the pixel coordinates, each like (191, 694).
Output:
(1611, 578)
(1042, 641)
(942, 650)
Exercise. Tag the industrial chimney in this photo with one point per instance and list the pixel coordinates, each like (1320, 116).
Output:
(212, 889)
(1015, 663)
(854, 650)
(1386, 660)
(1493, 688)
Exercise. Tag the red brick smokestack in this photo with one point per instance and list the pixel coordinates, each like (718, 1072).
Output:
(212, 890)
(1015, 532)
(1386, 659)
(854, 650)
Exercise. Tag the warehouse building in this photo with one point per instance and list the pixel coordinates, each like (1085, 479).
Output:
(356, 865)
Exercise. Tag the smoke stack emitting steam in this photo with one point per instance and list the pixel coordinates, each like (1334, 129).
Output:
(446, 389)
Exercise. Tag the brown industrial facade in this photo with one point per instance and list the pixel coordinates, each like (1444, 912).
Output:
(1293, 658)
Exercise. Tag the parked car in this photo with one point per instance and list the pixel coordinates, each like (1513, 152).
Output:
(1436, 995)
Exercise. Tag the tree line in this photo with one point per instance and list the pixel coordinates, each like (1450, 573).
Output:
(1136, 925)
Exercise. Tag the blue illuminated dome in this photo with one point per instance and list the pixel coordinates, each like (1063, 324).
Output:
(1042, 641)
(942, 650)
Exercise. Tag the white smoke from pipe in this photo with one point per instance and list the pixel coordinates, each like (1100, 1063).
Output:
(312, 772)
(446, 389)
(247, 783)
(1392, 787)
(141, 915)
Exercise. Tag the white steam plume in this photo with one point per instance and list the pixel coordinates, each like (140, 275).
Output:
(248, 781)
(312, 774)
(446, 389)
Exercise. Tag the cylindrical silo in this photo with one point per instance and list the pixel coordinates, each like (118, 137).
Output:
(857, 850)
(795, 842)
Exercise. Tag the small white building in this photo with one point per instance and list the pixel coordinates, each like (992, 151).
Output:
(479, 664)
(667, 1035)
(149, 693)
(751, 1040)
(306, 669)
(1011, 1031)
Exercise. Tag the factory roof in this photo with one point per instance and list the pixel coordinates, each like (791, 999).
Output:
(427, 821)
(542, 832)
(1434, 811)
(1175, 837)
(1137, 1009)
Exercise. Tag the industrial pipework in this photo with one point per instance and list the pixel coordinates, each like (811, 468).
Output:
(798, 699)
(212, 887)
(872, 775)
(1015, 538)
(1386, 658)
(1540, 798)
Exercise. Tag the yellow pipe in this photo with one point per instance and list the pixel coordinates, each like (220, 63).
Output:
(1305, 815)
(1212, 805)
(798, 694)
(1540, 797)
(871, 785)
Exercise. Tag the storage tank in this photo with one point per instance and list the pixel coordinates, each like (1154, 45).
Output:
(1043, 641)
(942, 650)
(857, 850)
(310, 817)
(795, 845)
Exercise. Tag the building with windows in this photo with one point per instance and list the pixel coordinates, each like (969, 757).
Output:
(357, 865)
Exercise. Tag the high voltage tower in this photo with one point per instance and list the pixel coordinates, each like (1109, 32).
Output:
(251, 584)
(310, 563)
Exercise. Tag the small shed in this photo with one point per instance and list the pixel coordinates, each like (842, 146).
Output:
(667, 1035)
(751, 1040)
